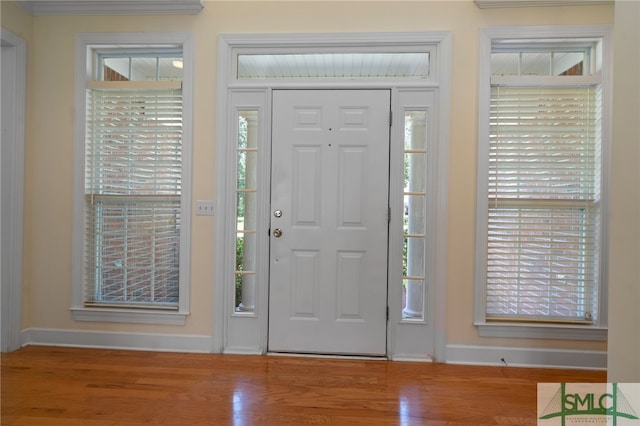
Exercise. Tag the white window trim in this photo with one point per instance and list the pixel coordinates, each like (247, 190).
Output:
(84, 43)
(598, 330)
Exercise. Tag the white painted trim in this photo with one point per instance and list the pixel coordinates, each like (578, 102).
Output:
(443, 123)
(130, 316)
(238, 350)
(546, 32)
(188, 79)
(491, 4)
(542, 331)
(381, 41)
(117, 340)
(84, 43)
(323, 356)
(527, 357)
(112, 7)
(11, 298)
(220, 273)
(402, 358)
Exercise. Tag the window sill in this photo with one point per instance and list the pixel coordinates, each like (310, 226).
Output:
(135, 316)
(491, 4)
(542, 331)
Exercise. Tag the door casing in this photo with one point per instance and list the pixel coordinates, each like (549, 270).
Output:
(246, 332)
(14, 59)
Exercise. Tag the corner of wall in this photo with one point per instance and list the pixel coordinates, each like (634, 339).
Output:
(624, 272)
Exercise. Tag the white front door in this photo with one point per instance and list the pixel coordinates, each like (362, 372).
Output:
(329, 221)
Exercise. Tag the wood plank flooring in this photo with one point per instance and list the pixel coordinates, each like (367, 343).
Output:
(70, 386)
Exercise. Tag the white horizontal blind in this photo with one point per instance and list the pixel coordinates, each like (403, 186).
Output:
(544, 203)
(133, 179)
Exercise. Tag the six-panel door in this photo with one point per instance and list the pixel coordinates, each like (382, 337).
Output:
(329, 221)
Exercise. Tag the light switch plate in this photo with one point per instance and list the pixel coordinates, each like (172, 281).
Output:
(204, 208)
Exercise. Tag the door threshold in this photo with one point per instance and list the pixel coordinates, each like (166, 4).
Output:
(330, 356)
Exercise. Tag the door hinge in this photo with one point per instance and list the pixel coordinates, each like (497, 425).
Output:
(390, 118)
(388, 215)
(387, 313)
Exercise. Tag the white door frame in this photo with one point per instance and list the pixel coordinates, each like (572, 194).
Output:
(246, 332)
(14, 62)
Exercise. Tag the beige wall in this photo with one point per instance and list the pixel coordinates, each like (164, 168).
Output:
(49, 171)
(624, 266)
(15, 19)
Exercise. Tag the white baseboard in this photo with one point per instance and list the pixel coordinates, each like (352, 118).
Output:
(240, 350)
(117, 340)
(527, 357)
(409, 358)
(456, 354)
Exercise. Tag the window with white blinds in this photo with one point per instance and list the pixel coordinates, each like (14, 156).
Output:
(133, 184)
(544, 203)
(541, 204)
(132, 177)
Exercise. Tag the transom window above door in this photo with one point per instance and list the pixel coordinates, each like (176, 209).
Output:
(358, 65)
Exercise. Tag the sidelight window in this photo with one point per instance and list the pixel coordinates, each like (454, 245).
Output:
(246, 206)
(414, 221)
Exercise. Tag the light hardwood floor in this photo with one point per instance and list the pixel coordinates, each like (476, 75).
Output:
(70, 386)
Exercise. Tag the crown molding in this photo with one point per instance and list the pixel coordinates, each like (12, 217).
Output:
(111, 7)
(492, 4)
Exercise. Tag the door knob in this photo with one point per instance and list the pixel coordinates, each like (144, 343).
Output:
(277, 232)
